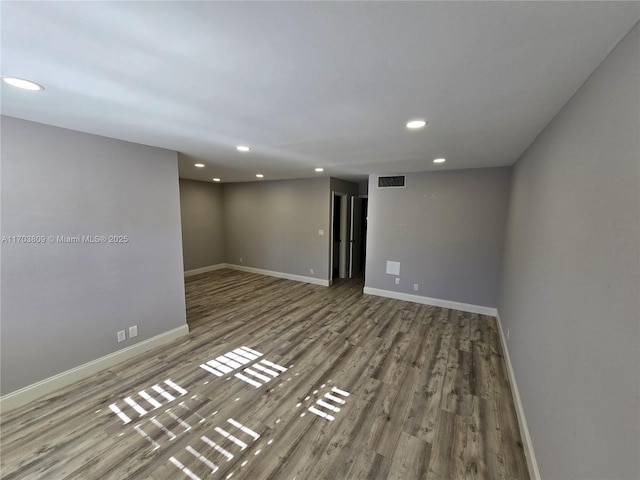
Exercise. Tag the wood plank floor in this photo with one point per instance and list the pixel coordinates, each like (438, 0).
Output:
(285, 380)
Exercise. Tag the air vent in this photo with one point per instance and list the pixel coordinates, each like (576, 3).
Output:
(396, 181)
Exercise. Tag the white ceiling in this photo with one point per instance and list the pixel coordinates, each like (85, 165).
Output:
(308, 84)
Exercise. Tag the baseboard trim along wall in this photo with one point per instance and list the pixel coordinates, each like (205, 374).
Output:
(287, 276)
(210, 268)
(259, 271)
(534, 473)
(436, 302)
(51, 384)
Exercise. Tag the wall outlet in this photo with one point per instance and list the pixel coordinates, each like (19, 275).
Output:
(240, 259)
(415, 287)
(133, 331)
(507, 334)
(397, 280)
(311, 271)
(122, 336)
(320, 232)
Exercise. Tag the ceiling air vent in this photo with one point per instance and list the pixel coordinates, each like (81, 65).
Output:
(391, 181)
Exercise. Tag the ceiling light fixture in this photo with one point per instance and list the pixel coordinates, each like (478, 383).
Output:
(319, 169)
(242, 148)
(414, 124)
(199, 165)
(259, 175)
(439, 160)
(22, 83)
(216, 179)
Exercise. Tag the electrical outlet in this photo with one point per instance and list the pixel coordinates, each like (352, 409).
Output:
(397, 280)
(240, 259)
(507, 334)
(133, 331)
(415, 287)
(311, 271)
(122, 336)
(321, 232)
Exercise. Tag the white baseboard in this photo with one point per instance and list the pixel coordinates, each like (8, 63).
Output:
(51, 384)
(287, 276)
(210, 268)
(532, 464)
(259, 271)
(436, 302)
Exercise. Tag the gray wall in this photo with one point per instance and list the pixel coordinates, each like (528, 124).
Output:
(572, 278)
(202, 235)
(363, 187)
(274, 225)
(343, 186)
(446, 229)
(63, 303)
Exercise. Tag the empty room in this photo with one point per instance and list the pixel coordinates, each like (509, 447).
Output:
(320, 240)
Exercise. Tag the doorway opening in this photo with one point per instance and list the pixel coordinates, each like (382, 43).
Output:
(349, 234)
(339, 251)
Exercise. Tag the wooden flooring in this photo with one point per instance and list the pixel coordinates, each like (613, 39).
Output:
(332, 384)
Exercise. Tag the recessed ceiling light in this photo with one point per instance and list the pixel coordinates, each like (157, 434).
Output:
(242, 148)
(216, 179)
(319, 169)
(413, 124)
(22, 83)
(259, 175)
(440, 160)
(199, 165)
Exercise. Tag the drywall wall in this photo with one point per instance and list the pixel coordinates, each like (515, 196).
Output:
(572, 278)
(446, 229)
(201, 213)
(344, 186)
(63, 301)
(363, 188)
(275, 226)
